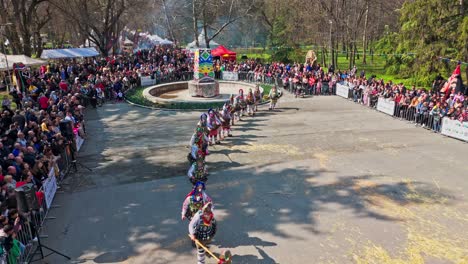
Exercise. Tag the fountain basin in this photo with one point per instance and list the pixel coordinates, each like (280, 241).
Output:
(178, 92)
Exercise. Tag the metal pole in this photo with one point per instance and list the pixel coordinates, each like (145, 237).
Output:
(6, 57)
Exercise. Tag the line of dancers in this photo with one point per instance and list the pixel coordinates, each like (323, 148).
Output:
(213, 126)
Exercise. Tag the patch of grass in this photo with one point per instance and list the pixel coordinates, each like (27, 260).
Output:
(136, 96)
(266, 88)
(375, 64)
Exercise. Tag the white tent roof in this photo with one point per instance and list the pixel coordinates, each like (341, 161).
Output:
(166, 42)
(28, 61)
(201, 42)
(69, 53)
(155, 38)
(128, 42)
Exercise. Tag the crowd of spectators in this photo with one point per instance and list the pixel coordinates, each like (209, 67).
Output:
(424, 107)
(31, 141)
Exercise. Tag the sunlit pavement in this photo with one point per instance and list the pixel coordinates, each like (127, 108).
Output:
(320, 180)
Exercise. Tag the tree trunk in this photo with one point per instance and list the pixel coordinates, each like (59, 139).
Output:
(364, 38)
(195, 24)
(207, 40)
(205, 26)
(350, 60)
(462, 8)
(27, 44)
(168, 22)
(37, 43)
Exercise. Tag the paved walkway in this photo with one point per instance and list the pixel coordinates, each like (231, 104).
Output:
(321, 180)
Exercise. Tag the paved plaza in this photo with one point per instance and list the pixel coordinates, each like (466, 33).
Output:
(320, 180)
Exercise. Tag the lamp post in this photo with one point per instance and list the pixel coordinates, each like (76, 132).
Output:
(6, 57)
(331, 43)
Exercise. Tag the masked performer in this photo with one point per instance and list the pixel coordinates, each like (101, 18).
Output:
(250, 101)
(225, 257)
(240, 100)
(213, 123)
(198, 145)
(226, 117)
(198, 171)
(258, 97)
(235, 108)
(194, 201)
(203, 225)
(274, 95)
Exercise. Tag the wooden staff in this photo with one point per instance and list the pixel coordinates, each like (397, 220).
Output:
(206, 249)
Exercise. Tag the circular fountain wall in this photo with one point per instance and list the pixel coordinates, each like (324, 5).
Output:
(178, 92)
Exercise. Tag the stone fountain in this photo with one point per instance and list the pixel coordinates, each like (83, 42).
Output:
(203, 83)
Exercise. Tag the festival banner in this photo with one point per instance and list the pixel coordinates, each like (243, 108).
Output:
(50, 188)
(342, 90)
(230, 76)
(147, 81)
(386, 106)
(455, 129)
(79, 142)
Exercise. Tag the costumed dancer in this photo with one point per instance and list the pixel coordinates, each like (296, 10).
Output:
(213, 124)
(250, 101)
(235, 108)
(258, 97)
(225, 257)
(226, 120)
(273, 95)
(219, 116)
(202, 227)
(198, 171)
(198, 145)
(240, 99)
(194, 201)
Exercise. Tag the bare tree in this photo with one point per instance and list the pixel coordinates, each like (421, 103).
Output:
(101, 20)
(214, 16)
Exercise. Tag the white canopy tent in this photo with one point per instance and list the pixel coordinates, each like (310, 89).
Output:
(128, 42)
(202, 43)
(28, 61)
(166, 42)
(69, 53)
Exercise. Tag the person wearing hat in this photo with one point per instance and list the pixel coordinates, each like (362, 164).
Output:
(198, 171)
(202, 228)
(225, 257)
(258, 97)
(213, 123)
(240, 102)
(194, 201)
(226, 117)
(273, 95)
(250, 101)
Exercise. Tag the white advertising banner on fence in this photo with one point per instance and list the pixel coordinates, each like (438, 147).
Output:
(79, 142)
(147, 81)
(50, 187)
(342, 90)
(455, 129)
(230, 76)
(386, 106)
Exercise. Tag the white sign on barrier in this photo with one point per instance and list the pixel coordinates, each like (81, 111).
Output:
(79, 142)
(50, 187)
(147, 81)
(230, 76)
(454, 128)
(386, 106)
(342, 90)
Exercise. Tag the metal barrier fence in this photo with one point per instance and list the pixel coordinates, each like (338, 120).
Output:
(31, 225)
(306, 89)
(422, 117)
